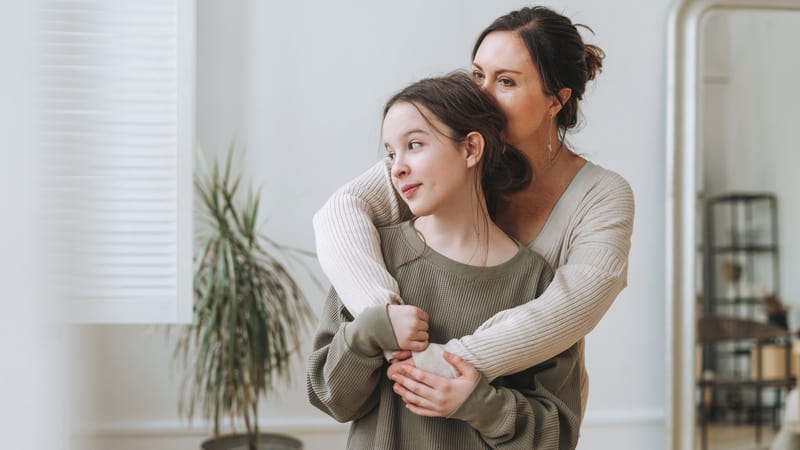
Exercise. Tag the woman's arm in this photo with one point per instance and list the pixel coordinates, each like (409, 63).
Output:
(346, 365)
(348, 244)
(582, 291)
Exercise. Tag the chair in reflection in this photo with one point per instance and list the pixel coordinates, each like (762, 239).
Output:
(755, 337)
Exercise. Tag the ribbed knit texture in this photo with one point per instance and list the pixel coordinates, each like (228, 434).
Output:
(586, 238)
(538, 408)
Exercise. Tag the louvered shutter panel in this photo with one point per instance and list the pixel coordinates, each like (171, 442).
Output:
(118, 102)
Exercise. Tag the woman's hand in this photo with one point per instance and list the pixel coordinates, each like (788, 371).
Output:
(427, 394)
(410, 326)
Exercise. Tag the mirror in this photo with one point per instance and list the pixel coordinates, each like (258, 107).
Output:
(733, 296)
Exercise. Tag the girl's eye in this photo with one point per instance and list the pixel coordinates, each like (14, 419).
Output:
(390, 156)
(414, 144)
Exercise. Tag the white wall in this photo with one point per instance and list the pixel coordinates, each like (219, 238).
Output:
(750, 124)
(301, 85)
(33, 413)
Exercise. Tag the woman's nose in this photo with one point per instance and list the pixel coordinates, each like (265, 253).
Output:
(486, 87)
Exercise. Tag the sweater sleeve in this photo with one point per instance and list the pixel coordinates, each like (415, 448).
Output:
(345, 367)
(348, 243)
(532, 417)
(583, 289)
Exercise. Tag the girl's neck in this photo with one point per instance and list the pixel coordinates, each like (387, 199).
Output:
(474, 240)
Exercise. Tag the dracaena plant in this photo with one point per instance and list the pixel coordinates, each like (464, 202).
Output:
(249, 311)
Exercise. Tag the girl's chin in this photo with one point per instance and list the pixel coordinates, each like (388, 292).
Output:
(417, 211)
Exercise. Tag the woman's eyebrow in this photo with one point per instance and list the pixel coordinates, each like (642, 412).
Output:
(500, 70)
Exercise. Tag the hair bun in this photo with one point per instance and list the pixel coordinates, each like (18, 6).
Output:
(593, 58)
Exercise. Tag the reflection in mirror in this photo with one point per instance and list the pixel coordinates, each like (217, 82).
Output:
(747, 211)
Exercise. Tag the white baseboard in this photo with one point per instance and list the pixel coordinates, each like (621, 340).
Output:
(202, 428)
(601, 430)
(316, 433)
(593, 419)
(624, 417)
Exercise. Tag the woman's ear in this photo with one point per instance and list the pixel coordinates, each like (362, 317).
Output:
(473, 144)
(563, 97)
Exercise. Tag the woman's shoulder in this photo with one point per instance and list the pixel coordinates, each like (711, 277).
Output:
(599, 176)
(597, 184)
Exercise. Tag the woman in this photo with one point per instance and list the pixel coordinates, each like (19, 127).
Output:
(443, 139)
(577, 215)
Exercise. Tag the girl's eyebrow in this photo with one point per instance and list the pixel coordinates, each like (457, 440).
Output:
(406, 134)
(415, 130)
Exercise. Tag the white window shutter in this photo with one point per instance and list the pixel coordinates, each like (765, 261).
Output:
(118, 103)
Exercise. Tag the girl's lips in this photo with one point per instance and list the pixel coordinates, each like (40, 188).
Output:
(410, 189)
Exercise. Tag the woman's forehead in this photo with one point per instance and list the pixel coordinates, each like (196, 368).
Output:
(503, 50)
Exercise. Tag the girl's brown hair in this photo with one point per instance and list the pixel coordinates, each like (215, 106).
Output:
(457, 102)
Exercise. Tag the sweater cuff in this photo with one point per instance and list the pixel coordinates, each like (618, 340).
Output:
(485, 408)
(371, 332)
(432, 360)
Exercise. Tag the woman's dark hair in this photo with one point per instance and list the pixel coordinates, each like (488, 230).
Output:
(558, 52)
(456, 101)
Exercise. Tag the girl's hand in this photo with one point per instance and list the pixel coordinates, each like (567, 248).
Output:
(427, 394)
(400, 355)
(410, 326)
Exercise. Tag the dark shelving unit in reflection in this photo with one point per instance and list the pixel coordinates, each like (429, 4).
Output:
(740, 235)
(740, 271)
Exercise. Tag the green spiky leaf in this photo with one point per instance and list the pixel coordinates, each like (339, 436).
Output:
(249, 311)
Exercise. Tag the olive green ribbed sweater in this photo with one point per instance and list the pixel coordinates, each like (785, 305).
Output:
(538, 408)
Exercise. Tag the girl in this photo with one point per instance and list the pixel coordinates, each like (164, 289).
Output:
(442, 136)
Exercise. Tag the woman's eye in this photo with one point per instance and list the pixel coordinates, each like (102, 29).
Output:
(414, 144)
(506, 82)
(477, 75)
(390, 156)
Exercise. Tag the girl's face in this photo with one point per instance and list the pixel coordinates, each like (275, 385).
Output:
(503, 68)
(429, 170)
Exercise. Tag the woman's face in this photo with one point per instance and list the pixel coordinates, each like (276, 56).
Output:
(503, 68)
(429, 169)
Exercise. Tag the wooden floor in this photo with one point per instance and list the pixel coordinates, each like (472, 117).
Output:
(736, 437)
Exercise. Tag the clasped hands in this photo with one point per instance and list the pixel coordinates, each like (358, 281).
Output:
(425, 393)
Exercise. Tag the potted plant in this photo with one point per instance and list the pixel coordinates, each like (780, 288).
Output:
(248, 314)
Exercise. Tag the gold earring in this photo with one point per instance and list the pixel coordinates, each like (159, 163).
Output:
(550, 141)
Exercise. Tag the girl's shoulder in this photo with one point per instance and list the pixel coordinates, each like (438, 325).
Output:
(399, 244)
(395, 231)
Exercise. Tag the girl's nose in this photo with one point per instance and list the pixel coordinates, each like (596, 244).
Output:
(399, 167)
